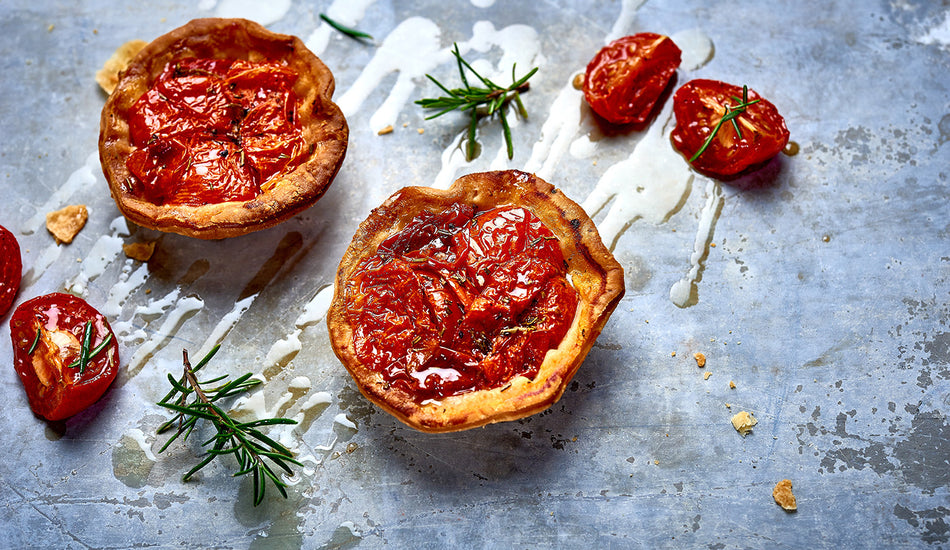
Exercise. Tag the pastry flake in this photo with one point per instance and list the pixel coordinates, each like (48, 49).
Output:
(743, 422)
(782, 493)
(64, 224)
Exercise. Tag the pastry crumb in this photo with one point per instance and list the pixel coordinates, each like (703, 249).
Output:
(387, 130)
(743, 421)
(108, 76)
(732, 385)
(64, 224)
(421, 130)
(707, 375)
(728, 405)
(673, 354)
(700, 359)
(782, 493)
(139, 251)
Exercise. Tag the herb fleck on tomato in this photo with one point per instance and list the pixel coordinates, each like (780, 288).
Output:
(626, 78)
(64, 352)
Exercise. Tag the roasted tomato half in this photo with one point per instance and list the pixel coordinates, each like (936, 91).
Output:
(65, 353)
(747, 130)
(11, 269)
(626, 78)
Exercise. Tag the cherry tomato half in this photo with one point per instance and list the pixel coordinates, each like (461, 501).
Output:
(626, 78)
(65, 353)
(11, 269)
(699, 106)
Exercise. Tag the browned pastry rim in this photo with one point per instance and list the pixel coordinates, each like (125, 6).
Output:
(592, 269)
(323, 127)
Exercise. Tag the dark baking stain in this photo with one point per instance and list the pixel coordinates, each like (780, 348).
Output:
(920, 458)
(932, 523)
(927, 450)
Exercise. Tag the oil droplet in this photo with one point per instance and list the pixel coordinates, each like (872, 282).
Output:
(131, 461)
(791, 149)
(578, 81)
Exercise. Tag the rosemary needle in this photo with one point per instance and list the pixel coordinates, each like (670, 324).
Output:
(491, 98)
(732, 111)
(256, 453)
(352, 33)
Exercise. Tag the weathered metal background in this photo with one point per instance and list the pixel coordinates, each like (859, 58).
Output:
(822, 292)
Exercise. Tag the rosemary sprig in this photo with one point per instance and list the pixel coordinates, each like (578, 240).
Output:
(492, 98)
(196, 401)
(85, 354)
(732, 111)
(352, 33)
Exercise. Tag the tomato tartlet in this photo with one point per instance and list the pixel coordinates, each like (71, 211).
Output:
(472, 305)
(220, 128)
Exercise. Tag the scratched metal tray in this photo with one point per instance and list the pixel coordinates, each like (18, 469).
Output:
(819, 286)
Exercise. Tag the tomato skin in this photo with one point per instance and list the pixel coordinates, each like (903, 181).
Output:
(11, 269)
(214, 130)
(54, 390)
(459, 301)
(699, 105)
(626, 78)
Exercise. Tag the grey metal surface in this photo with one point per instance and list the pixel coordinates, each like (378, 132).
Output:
(826, 298)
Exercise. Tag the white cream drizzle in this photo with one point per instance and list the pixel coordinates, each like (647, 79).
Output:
(157, 340)
(345, 12)
(84, 176)
(483, 3)
(558, 130)
(652, 183)
(412, 49)
(283, 351)
(264, 13)
(628, 12)
(520, 47)
(696, 46)
(138, 436)
(38, 267)
(342, 420)
(683, 293)
(105, 251)
(129, 281)
(224, 326)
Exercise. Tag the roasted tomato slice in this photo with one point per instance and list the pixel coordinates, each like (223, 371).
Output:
(65, 353)
(626, 78)
(746, 142)
(11, 269)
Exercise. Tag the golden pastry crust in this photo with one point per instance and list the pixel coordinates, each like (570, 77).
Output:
(322, 124)
(592, 269)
